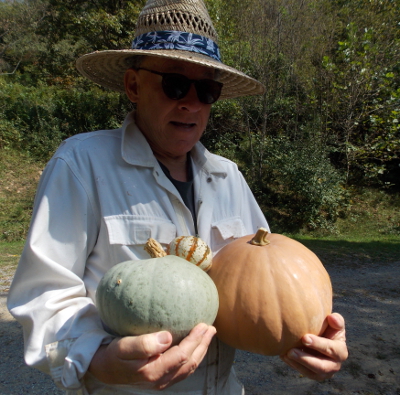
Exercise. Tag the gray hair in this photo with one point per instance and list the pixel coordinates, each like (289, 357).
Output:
(135, 61)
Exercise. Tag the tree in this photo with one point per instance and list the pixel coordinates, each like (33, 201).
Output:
(19, 41)
(362, 85)
(277, 141)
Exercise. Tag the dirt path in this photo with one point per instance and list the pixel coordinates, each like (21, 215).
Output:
(366, 294)
(15, 377)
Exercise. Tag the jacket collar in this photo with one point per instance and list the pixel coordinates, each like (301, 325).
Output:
(136, 150)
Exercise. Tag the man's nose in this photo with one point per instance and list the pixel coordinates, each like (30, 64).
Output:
(191, 101)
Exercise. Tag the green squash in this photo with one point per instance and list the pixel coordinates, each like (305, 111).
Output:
(146, 296)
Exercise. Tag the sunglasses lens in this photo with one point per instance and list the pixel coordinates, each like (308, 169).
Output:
(175, 86)
(208, 91)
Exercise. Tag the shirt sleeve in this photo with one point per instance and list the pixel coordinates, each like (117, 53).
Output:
(62, 329)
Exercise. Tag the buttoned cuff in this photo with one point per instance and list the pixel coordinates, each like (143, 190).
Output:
(69, 359)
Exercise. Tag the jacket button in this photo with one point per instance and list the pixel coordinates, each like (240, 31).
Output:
(209, 179)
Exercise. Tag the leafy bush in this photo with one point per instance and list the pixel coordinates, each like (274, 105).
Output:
(36, 119)
(296, 186)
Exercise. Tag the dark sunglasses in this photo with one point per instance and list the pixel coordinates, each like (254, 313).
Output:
(176, 86)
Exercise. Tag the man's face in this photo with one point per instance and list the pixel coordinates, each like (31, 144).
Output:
(172, 127)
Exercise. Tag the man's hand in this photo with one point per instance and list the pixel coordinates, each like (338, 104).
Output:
(322, 356)
(148, 361)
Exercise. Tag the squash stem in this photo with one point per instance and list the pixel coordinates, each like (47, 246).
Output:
(260, 238)
(154, 248)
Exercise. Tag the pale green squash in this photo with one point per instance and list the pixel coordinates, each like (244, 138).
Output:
(168, 293)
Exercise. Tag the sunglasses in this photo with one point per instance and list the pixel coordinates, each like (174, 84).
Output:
(176, 86)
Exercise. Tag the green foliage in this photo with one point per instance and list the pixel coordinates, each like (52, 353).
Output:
(371, 213)
(224, 131)
(364, 100)
(40, 40)
(331, 65)
(295, 184)
(331, 106)
(19, 175)
(36, 119)
(19, 42)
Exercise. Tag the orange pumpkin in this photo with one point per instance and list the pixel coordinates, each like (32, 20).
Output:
(272, 291)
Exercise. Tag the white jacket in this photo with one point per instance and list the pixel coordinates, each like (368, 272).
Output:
(100, 198)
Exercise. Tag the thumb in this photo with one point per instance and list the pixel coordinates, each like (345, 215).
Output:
(336, 321)
(335, 329)
(143, 346)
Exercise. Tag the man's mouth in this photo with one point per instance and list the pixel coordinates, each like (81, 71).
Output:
(183, 124)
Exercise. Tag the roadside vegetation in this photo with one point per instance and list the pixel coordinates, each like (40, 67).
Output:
(367, 231)
(320, 149)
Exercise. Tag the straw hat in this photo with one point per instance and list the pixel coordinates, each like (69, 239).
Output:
(174, 29)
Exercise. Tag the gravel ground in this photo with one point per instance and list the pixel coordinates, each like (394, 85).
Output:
(367, 294)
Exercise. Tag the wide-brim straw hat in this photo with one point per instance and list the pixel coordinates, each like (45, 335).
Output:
(173, 29)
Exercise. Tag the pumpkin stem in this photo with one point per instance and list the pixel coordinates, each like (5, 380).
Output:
(154, 248)
(260, 238)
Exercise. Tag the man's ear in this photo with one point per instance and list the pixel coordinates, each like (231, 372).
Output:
(131, 85)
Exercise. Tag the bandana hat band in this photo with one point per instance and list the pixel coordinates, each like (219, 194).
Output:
(179, 41)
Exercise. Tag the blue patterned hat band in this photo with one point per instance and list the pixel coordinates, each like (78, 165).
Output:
(177, 40)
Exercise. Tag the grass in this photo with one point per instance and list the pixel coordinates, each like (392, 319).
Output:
(9, 257)
(19, 176)
(369, 232)
(10, 252)
(356, 253)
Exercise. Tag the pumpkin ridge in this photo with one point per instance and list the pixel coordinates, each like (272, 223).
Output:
(301, 306)
(270, 328)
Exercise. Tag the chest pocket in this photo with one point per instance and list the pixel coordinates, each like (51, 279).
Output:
(225, 231)
(127, 234)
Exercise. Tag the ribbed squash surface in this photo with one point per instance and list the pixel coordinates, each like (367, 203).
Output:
(271, 295)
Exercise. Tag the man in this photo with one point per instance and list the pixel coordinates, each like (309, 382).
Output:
(104, 193)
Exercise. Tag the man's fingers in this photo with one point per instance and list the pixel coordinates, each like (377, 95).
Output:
(142, 347)
(336, 323)
(192, 350)
(150, 361)
(332, 343)
(333, 349)
(198, 339)
(336, 328)
(322, 356)
(309, 366)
